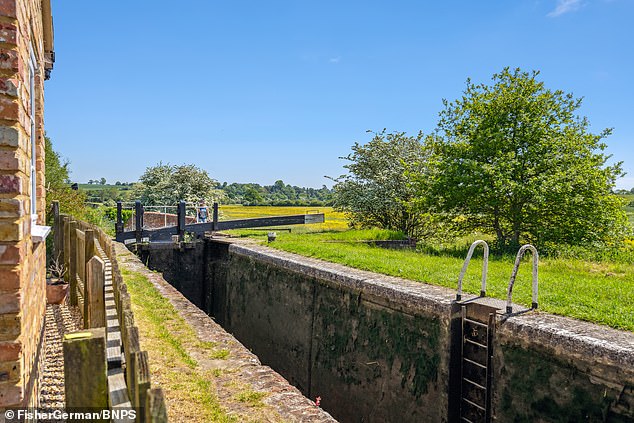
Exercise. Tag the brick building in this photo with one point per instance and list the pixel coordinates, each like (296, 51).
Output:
(26, 59)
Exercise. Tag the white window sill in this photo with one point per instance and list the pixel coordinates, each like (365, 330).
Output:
(39, 233)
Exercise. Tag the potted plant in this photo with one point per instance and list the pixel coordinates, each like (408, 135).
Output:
(56, 286)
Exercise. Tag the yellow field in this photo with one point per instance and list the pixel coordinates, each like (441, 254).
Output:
(335, 221)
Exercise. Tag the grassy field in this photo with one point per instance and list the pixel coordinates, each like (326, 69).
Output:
(99, 187)
(335, 221)
(592, 291)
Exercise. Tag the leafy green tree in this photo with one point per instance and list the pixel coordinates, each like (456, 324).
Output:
(518, 161)
(252, 195)
(165, 184)
(377, 190)
(57, 180)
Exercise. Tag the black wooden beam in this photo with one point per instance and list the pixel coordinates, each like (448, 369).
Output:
(118, 227)
(215, 217)
(138, 210)
(165, 234)
(181, 220)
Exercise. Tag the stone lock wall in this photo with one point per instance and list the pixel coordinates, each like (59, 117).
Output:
(25, 27)
(381, 349)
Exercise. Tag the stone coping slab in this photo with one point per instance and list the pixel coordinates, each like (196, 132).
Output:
(242, 366)
(563, 336)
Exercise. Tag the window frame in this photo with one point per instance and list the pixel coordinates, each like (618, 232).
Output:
(38, 232)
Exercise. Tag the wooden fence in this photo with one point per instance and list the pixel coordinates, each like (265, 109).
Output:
(116, 375)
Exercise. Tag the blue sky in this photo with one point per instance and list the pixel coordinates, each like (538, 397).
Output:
(257, 91)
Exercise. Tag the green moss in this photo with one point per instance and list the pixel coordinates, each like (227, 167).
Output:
(354, 328)
(539, 386)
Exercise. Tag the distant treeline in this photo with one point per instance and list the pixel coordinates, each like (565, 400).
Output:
(278, 194)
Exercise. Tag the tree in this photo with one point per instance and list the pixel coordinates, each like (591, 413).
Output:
(57, 179)
(165, 184)
(252, 195)
(102, 181)
(377, 190)
(518, 161)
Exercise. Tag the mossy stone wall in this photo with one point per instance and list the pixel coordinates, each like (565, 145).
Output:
(377, 349)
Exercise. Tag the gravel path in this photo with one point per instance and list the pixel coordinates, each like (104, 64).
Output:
(60, 319)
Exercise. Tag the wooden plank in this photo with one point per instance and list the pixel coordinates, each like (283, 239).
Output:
(72, 261)
(66, 243)
(89, 244)
(181, 221)
(85, 373)
(81, 289)
(138, 221)
(165, 234)
(309, 219)
(142, 381)
(156, 411)
(118, 227)
(117, 389)
(131, 347)
(80, 250)
(95, 293)
(57, 232)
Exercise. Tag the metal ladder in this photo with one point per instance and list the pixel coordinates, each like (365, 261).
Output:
(476, 337)
(485, 266)
(475, 374)
(518, 258)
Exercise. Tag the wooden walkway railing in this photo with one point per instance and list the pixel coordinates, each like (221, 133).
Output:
(199, 229)
(104, 364)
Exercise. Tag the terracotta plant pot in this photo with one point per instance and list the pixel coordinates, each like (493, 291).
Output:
(56, 291)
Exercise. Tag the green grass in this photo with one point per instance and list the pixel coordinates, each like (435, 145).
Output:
(99, 187)
(251, 397)
(168, 338)
(597, 292)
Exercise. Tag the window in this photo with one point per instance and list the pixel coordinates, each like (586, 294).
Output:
(32, 69)
(38, 233)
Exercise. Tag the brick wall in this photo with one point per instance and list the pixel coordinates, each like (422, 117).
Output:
(23, 25)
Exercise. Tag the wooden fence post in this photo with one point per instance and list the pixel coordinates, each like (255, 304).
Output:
(141, 382)
(66, 242)
(56, 230)
(155, 410)
(72, 261)
(80, 256)
(118, 227)
(131, 348)
(181, 220)
(215, 217)
(138, 220)
(85, 374)
(90, 249)
(96, 316)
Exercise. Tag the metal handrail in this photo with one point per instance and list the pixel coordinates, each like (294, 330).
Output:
(518, 258)
(485, 266)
